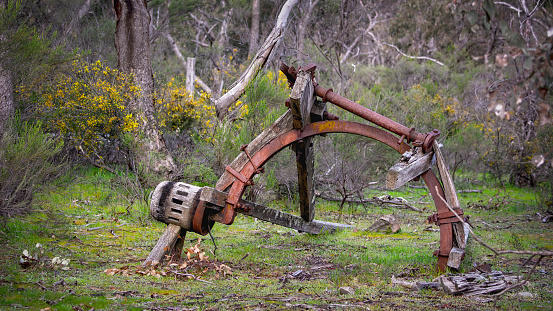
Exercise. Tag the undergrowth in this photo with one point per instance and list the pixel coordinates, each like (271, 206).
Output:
(90, 224)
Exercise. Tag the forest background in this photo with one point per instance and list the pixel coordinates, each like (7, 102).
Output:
(480, 72)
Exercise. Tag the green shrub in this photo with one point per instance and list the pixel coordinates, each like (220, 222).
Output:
(27, 163)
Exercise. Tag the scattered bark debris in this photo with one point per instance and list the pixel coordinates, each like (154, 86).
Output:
(477, 283)
(547, 217)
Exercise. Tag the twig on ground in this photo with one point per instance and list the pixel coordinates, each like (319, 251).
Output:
(496, 227)
(376, 201)
(470, 191)
(192, 276)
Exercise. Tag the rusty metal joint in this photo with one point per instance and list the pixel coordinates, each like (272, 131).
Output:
(325, 94)
(257, 170)
(239, 176)
(429, 140)
(329, 116)
(400, 140)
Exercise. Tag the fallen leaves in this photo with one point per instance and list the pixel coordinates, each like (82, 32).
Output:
(196, 261)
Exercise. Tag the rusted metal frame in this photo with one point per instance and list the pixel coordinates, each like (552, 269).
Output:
(268, 151)
(446, 231)
(447, 217)
(418, 139)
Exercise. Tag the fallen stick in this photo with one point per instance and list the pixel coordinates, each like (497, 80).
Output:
(192, 276)
(373, 201)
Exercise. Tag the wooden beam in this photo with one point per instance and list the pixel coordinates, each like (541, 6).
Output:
(411, 166)
(301, 99)
(317, 111)
(280, 126)
(215, 199)
(301, 104)
(449, 187)
(455, 257)
(164, 245)
(458, 229)
(305, 163)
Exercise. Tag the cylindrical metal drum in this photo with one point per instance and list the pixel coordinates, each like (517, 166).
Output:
(175, 203)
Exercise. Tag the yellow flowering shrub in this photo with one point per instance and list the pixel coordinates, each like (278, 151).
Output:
(177, 110)
(87, 105)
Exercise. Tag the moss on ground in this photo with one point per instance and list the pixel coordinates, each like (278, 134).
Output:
(90, 223)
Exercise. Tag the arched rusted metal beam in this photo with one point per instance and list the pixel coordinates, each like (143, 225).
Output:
(257, 160)
(280, 142)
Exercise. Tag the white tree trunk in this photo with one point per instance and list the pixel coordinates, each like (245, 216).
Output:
(177, 52)
(190, 75)
(225, 102)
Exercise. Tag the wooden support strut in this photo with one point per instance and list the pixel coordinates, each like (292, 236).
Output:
(301, 104)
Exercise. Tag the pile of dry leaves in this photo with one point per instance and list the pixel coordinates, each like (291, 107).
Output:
(195, 263)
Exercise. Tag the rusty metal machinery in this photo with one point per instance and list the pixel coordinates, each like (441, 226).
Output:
(186, 207)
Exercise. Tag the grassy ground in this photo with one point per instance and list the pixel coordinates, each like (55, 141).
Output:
(90, 223)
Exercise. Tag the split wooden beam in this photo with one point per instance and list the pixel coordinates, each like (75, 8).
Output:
(301, 103)
(171, 242)
(280, 126)
(215, 199)
(459, 229)
(411, 165)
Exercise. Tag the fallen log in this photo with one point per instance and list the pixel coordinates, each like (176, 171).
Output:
(476, 283)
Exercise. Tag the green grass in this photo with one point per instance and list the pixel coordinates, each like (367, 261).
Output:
(90, 222)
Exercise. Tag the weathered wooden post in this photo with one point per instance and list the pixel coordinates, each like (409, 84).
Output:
(190, 76)
(301, 103)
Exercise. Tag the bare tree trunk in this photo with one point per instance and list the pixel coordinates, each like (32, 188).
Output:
(223, 104)
(190, 75)
(83, 10)
(6, 98)
(254, 33)
(302, 26)
(177, 52)
(133, 57)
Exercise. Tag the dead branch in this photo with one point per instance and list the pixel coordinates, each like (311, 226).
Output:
(496, 227)
(414, 57)
(375, 201)
(470, 191)
(239, 87)
(177, 52)
(195, 278)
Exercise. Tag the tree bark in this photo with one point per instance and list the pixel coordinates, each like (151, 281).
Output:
(254, 30)
(225, 102)
(133, 57)
(6, 98)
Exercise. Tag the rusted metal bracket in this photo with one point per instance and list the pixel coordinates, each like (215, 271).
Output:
(445, 217)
